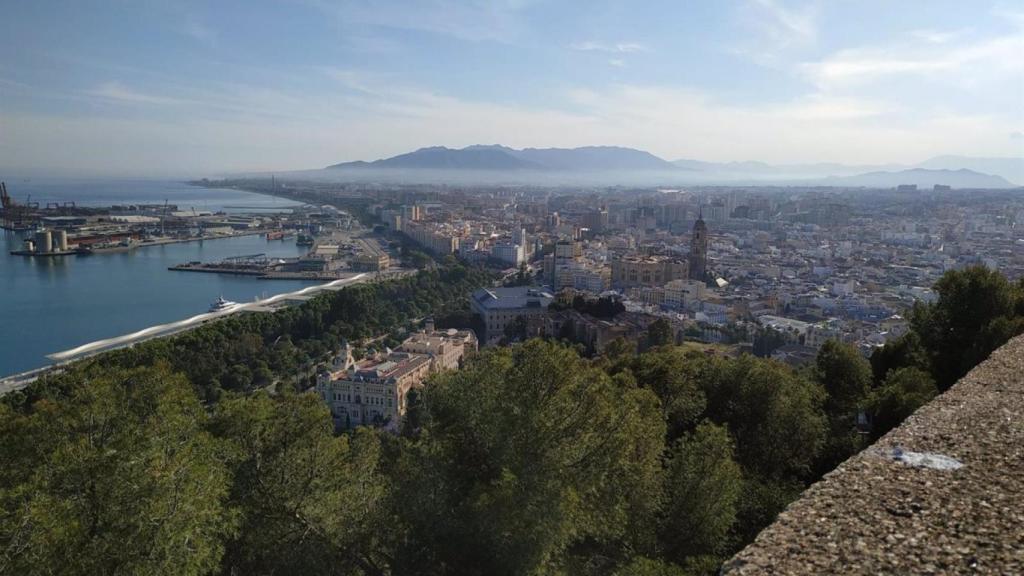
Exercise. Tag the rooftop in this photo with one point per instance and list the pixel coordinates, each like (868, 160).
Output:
(941, 494)
(394, 365)
(512, 297)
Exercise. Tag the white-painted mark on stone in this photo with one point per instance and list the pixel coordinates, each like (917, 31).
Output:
(931, 460)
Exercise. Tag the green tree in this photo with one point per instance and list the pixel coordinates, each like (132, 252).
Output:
(659, 333)
(702, 487)
(309, 500)
(419, 260)
(904, 391)
(760, 502)
(674, 376)
(974, 314)
(904, 351)
(846, 378)
(766, 341)
(412, 422)
(527, 457)
(119, 477)
(619, 348)
(774, 414)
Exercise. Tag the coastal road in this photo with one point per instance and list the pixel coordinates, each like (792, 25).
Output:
(182, 325)
(18, 381)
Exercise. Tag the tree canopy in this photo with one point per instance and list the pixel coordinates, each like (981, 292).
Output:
(120, 477)
(181, 457)
(977, 311)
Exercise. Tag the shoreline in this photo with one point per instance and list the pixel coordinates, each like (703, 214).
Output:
(42, 274)
(61, 359)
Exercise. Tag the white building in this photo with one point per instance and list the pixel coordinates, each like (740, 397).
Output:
(509, 252)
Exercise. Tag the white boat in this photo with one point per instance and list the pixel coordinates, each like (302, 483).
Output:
(220, 304)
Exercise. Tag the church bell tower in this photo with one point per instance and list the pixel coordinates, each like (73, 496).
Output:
(699, 250)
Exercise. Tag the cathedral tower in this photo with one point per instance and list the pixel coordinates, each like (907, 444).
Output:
(699, 251)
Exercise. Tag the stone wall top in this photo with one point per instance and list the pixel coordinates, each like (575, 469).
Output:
(941, 494)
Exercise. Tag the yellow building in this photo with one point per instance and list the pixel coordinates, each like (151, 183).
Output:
(372, 392)
(445, 348)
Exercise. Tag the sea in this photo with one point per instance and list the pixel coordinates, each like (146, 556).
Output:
(49, 305)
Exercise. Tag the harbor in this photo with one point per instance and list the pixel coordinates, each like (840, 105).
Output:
(61, 301)
(337, 247)
(59, 229)
(108, 261)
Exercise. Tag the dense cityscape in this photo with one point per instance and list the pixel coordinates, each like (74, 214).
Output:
(720, 265)
(720, 348)
(513, 288)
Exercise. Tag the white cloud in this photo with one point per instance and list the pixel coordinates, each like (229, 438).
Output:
(616, 48)
(114, 91)
(617, 62)
(238, 127)
(997, 55)
(939, 36)
(782, 25)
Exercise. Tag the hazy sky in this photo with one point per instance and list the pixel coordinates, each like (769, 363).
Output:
(179, 87)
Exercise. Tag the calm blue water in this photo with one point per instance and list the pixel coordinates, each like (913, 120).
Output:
(52, 304)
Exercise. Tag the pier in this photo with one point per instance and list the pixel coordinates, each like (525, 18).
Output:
(248, 265)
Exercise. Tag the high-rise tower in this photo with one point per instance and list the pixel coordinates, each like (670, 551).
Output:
(699, 251)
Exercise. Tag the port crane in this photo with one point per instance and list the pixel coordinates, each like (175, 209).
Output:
(199, 222)
(14, 213)
(164, 220)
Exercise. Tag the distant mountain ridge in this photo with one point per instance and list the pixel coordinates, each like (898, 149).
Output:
(1010, 169)
(441, 158)
(597, 163)
(497, 157)
(922, 178)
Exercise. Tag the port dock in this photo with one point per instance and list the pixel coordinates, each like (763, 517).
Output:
(249, 265)
(45, 254)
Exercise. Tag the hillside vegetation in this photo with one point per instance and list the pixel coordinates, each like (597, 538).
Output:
(530, 460)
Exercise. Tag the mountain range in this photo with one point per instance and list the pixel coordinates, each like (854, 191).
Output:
(954, 171)
(497, 157)
(922, 178)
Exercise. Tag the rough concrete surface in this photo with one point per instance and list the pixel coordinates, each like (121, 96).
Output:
(876, 514)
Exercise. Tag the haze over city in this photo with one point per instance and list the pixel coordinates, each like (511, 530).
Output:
(192, 88)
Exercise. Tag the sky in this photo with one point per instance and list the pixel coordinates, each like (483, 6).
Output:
(173, 87)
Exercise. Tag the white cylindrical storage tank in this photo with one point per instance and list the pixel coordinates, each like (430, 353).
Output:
(29, 246)
(61, 241)
(44, 241)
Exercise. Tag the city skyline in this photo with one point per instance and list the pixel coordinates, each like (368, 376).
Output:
(184, 88)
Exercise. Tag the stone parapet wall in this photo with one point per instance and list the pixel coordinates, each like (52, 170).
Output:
(903, 506)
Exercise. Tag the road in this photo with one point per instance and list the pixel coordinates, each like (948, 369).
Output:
(18, 381)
